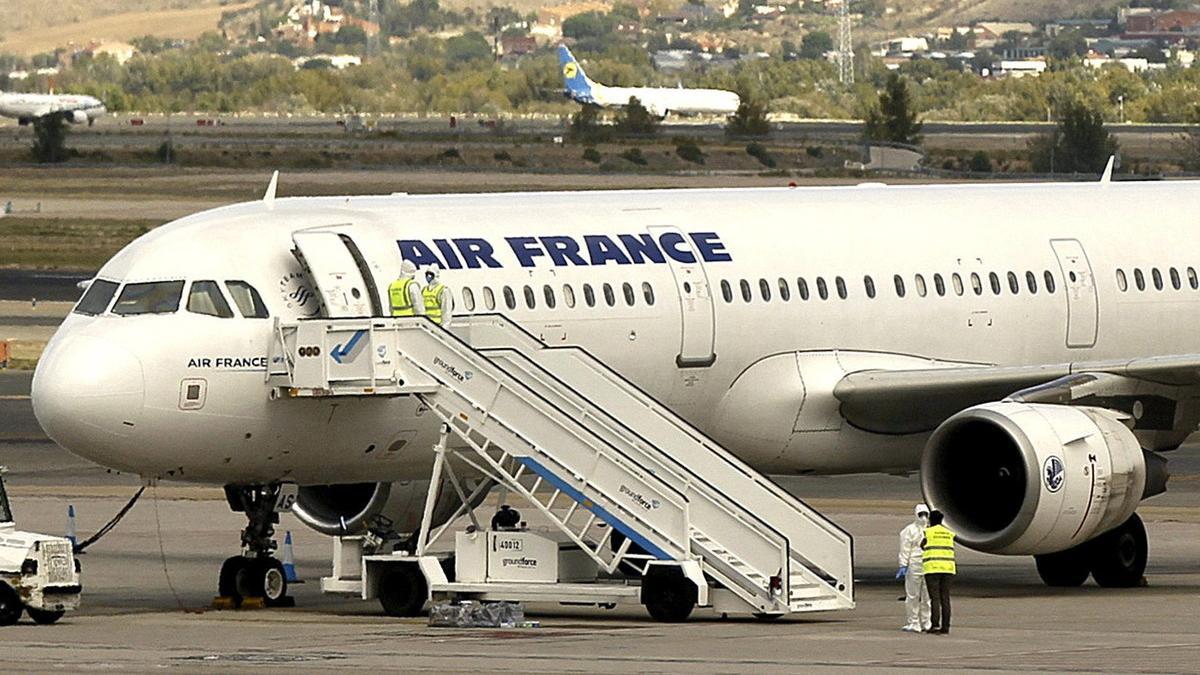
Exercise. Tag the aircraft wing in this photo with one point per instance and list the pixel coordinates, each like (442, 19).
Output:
(911, 401)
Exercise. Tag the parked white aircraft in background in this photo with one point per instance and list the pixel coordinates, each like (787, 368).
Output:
(1029, 348)
(659, 101)
(75, 109)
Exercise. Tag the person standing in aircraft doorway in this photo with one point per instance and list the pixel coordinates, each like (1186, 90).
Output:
(439, 301)
(916, 595)
(404, 294)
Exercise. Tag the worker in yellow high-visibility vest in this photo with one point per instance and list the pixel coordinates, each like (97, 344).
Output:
(439, 302)
(937, 559)
(404, 294)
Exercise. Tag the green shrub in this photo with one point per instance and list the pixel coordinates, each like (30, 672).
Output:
(634, 155)
(592, 155)
(759, 152)
(981, 163)
(451, 153)
(502, 156)
(815, 151)
(689, 151)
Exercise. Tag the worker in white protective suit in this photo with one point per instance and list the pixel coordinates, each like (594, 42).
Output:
(439, 301)
(916, 596)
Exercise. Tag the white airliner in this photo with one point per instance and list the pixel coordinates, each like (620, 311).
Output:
(1030, 348)
(76, 109)
(658, 101)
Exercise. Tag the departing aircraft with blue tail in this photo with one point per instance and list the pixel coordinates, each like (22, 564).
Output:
(658, 100)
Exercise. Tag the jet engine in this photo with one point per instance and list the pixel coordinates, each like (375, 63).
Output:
(1032, 478)
(350, 508)
(77, 117)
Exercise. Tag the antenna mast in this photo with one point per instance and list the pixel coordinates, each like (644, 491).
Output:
(845, 53)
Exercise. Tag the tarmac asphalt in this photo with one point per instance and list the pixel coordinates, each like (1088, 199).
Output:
(149, 585)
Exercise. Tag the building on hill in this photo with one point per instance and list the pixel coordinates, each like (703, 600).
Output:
(120, 51)
(1173, 26)
(988, 33)
(517, 45)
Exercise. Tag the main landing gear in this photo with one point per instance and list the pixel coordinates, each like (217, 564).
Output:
(257, 573)
(1115, 559)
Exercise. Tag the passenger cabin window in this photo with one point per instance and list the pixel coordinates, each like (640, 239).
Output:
(958, 284)
(610, 297)
(247, 299)
(97, 297)
(1122, 282)
(802, 287)
(841, 287)
(1175, 279)
(869, 286)
(205, 298)
(569, 296)
(530, 300)
(726, 291)
(549, 295)
(1049, 279)
(468, 299)
(648, 292)
(785, 291)
(510, 298)
(1139, 279)
(1031, 281)
(920, 283)
(489, 298)
(1157, 276)
(764, 289)
(745, 286)
(995, 282)
(976, 284)
(155, 297)
(939, 285)
(589, 296)
(1013, 284)
(899, 281)
(1193, 281)
(627, 291)
(822, 289)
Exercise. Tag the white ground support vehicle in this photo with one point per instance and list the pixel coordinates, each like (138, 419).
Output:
(38, 573)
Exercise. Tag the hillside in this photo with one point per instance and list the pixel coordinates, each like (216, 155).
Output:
(918, 15)
(30, 27)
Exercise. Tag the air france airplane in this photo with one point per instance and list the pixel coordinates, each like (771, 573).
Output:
(658, 101)
(75, 109)
(1029, 348)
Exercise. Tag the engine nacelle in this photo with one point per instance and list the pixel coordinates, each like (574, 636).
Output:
(347, 509)
(77, 117)
(1028, 478)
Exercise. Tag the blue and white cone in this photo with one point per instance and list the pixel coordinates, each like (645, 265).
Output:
(71, 525)
(289, 560)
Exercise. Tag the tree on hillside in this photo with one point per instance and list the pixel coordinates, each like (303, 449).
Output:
(815, 44)
(893, 118)
(467, 47)
(1078, 144)
(636, 120)
(1067, 44)
(588, 25)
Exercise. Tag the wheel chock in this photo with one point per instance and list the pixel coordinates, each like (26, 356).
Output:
(224, 602)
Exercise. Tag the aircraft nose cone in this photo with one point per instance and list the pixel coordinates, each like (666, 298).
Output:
(87, 395)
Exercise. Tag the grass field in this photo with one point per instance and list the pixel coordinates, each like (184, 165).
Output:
(32, 26)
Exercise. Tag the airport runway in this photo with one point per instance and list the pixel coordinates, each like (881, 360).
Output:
(149, 583)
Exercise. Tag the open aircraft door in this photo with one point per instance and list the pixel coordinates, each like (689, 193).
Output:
(339, 272)
(698, 329)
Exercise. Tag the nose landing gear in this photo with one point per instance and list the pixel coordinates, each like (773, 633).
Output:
(257, 573)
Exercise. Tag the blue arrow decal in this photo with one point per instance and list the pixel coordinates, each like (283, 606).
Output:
(339, 352)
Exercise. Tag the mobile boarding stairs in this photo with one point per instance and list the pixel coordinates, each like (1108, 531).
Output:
(628, 484)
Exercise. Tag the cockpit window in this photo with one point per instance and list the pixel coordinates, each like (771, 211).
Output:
(248, 301)
(97, 297)
(155, 297)
(205, 298)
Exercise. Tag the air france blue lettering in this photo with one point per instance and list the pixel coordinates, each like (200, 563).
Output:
(417, 252)
(601, 249)
(710, 246)
(448, 253)
(476, 251)
(641, 248)
(671, 242)
(563, 249)
(526, 249)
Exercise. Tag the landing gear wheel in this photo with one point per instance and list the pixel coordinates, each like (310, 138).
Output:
(1119, 556)
(263, 578)
(227, 582)
(43, 616)
(1065, 568)
(10, 605)
(669, 599)
(403, 591)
